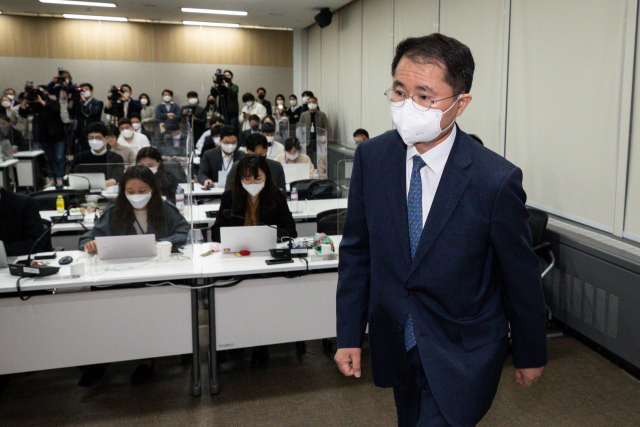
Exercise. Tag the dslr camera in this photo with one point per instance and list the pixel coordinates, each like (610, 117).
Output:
(115, 93)
(31, 92)
(60, 78)
(74, 92)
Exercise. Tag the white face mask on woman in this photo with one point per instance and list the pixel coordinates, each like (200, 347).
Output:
(6, 104)
(139, 201)
(292, 157)
(280, 102)
(136, 126)
(293, 102)
(216, 140)
(154, 170)
(144, 101)
(253, 189)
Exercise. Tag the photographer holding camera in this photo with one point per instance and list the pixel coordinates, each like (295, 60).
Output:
(120, 103)
(195, 114)
(60, 87)
(48, 129)
(84, 108)
(227, 94)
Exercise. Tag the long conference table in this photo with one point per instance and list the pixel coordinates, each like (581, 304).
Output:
(125, 310)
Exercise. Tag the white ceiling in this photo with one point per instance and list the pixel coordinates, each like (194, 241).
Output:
(264, 13)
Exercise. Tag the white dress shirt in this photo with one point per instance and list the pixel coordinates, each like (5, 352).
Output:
(436, 159)
(139, 141)
(275, 150)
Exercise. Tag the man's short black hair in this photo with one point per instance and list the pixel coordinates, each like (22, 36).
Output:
(268, 128)
(97, 127)
(170, 92)
(228, 130)
(172, 125)
(89, 85)
(112, 130)
(254, 140)
(127, 86)
(453, 57)
(11, 89)
(215, 130)
(215, 120)
(293, 96)
(228, 71)
(192, 94)
(248, 97)
(307, 93)
(263, 89)
(254, 118)
(123, 121)
(135, 116)
(290, 143)
(361, 132)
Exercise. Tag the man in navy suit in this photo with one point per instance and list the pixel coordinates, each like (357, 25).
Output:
(436, 251)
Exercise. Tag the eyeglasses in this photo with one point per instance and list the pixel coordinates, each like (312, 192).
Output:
(421, 101)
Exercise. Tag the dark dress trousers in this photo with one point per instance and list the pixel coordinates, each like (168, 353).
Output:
(212, 163)
(475, 244)
(20, 224)
(280, 216)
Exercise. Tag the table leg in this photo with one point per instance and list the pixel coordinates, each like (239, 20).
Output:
(196, 388)
(34, 173)
(5, 178)
(213, 359)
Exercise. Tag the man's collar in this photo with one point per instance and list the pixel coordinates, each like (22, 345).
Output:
(435, 158)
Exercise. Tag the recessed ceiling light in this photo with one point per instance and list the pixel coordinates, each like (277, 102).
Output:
(79, 3)
(214, 11)
(211, 24)
(95, 18)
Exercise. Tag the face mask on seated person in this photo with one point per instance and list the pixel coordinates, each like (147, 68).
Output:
(293, 102)
(154, 169)
(96, 144)
(11, 97)
(253, 189)
(127, 133)
(229, 148)
(270, 139)
(144, 101)
(136, 126)
(305, 99)
(312, 106)
(255, 127)
(193, 101)
(6, 104)
(216, 140)
(139, 201)
(292, 157)
(166, 98)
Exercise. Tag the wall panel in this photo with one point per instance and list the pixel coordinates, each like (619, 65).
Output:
(414, 18)
(22, 36)
(632, 208)
(177, 43)
(330, 53)
(224, 46)
(481, 26)
(314, 62)
(126, 41)
(72, 39)
(349, 113)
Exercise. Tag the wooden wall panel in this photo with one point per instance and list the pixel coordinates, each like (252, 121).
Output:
(177, 43)
(126, 41)
(22, 36)
(225, 46)
(72, 38)
(270, 48)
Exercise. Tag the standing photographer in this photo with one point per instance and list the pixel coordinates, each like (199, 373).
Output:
(121, 103)
(230, 93)
(195, 115)
(86, 110)
(48, 129)
(59, 87)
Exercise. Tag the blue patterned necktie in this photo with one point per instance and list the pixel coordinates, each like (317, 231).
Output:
(414, 205)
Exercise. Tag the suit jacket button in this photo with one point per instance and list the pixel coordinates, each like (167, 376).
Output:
(411, 293)
(399, 329)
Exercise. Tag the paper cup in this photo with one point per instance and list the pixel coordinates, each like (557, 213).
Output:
(164, 251)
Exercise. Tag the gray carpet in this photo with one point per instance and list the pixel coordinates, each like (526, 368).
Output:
(578, 388)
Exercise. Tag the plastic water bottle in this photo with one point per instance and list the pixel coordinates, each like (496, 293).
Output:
(294, 199)
(315, 174)
(180, 198)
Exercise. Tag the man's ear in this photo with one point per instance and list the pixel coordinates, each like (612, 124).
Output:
(462, 103)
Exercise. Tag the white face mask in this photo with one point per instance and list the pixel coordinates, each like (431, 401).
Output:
(293, 102)
(270, 139)
(154, 169)
(249, 104)
(177, 137)
(193, 101)
(358, 140)
(139, 201)
(144, 101)
(305, 99)
(280, 102)
(127, 133)
(253, 189)
(418, 126)
(11, 97)
(292, 156)
(136, 126)
(216, 140)
(86, 94)
(6, 104)
(166, 98)
(312, 106)
(229, 148)
(96, 144)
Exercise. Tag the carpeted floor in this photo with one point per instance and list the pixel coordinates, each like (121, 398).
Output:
(578, 388)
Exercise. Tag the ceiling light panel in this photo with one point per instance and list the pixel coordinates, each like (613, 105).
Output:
(215, 11)
(95, 18)
(79, 3)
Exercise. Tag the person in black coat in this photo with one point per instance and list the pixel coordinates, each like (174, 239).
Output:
(11, 134)
(168, 182)
(294, 111)
(195, 115)
(262, 93)
(20, 224)
(87, 112)
(125, 106)
(220, 158)
(98, 159)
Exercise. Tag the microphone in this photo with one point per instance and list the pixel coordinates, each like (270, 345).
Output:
(285, 253)
(28, 270)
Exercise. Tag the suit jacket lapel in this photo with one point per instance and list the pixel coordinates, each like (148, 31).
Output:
(394, 167)
(452, 184)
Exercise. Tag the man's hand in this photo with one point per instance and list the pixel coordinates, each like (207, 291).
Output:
(348, 360)
(91, 247)
(171, 115)
(245, 114)
(208, 184)
(110, 182)
(40, 100)
(528, 376)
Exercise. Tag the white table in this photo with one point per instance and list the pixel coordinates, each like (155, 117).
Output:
(27, 168)
(78, 325)
(199, 191)
(5, 167)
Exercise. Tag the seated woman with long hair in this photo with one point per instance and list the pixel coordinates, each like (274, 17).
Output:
(139, 209)
(168, 182)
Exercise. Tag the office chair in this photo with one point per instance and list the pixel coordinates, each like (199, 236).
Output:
(46, 200)
(538, 224)
(331, 222)
(322, 189)
(301, 187)
(47, 238)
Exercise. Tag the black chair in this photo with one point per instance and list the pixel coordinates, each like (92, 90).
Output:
(301, 187)
(538, 224)
(46, 200)
(47, 238)
(331, 221)
(322, 189)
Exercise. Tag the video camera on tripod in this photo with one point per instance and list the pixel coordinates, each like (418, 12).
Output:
(115, 93)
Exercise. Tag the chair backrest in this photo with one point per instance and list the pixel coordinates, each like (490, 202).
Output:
(331, 221)
(47, 239)
(322, 189)
(538, 224)
(46, 200)
(301, 187)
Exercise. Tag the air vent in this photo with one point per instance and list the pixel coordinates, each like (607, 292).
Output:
(566, 303)
(601, 301)
(612, 320)
(576, 302)
(588, 303)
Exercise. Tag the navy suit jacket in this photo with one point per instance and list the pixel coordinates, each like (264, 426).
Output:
(474, 274)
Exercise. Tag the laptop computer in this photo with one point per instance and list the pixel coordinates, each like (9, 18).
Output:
(87, 181)
(3, 256)
(295, 172)
(255, 239)
(125, 247)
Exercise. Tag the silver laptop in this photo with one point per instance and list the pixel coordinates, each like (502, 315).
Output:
(255, 239)
(81, 181)
(124, 247)
(295, 172)
(3, 256)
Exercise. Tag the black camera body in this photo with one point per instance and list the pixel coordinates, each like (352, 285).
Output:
(115, 93)
(31, 92)
(74, 92)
